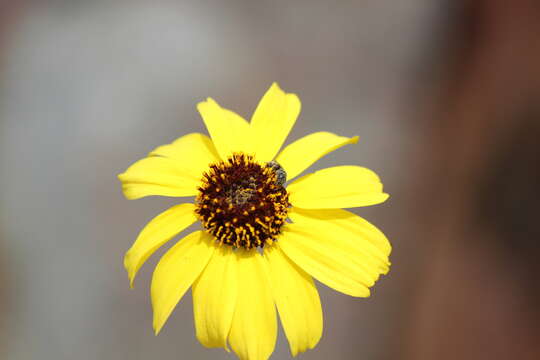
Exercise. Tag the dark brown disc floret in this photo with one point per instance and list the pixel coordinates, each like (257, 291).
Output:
(243, 203)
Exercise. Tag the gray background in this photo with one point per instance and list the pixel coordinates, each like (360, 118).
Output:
(88, 88)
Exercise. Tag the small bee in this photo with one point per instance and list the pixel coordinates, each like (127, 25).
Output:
(280, 172)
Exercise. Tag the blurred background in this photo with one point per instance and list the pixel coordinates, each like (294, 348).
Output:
(445, 96)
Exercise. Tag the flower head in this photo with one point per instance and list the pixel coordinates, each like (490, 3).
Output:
(262, 241)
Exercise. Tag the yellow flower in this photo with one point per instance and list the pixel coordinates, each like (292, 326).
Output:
(262, 242)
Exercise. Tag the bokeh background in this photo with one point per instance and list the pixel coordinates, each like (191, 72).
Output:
(443, 94)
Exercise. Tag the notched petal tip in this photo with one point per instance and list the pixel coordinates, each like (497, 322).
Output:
(207, 101)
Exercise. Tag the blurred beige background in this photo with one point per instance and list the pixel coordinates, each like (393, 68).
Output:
(89, 87)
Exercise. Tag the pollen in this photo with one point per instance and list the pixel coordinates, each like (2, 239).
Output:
(243, 203)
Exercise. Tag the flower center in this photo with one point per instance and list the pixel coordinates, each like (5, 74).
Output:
(243, 203)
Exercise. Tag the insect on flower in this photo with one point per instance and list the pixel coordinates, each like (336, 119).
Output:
(262, 242)
(281, 175)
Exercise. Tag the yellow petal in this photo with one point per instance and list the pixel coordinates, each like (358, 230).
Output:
(254, 326)
(336, 262)
(157, 232)
(214, 298)
(337, 187)
(272, 121)
(348, 226)
(297, 301)
(302, 153)
(194, 151)
(228, 130)
(158, 176)
(176, 271)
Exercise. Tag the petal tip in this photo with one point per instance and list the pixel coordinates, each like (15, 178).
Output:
(292, 97)
(202, 104)
(157, 325)
(130, 269)
(131, 277)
